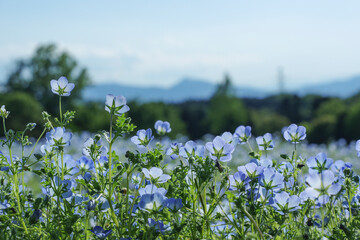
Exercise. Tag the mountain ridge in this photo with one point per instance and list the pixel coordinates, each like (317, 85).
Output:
(200, 89)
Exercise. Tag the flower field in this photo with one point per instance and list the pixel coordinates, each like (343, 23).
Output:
(128, 183)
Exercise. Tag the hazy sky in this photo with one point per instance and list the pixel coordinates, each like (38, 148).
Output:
(159, 42)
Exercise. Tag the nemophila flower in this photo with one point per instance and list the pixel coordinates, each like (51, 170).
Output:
(173, 204)
(58, 138)
(262, 194)
(157, 225)
(320, 185)
(238, 181)
(270, 179)
(61, 86)
(295, 133)
(319, 163)
(61, 187)
(357, 147)
(142, 138)
(84, 164)
(103, 203)
(151, 201)
(86, 146)
(242, 134)
(219, 149)
(100, 232)
(116, 104)
(191, 149)
(3, 112)
(156, 175)
(173, 150)
(264, 161)
(228, 137)
(4, 205)
(46, 148)
(162, 127)
(283, 203)
(339, 166)
(265, 142)
(150, 189)
(251, 169)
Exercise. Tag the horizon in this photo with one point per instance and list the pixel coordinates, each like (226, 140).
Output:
(159, 44)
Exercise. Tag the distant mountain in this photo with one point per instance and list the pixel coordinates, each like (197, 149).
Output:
(342, 88)
(195, 89)
(186, 89)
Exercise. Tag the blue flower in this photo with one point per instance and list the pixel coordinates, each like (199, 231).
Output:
(191, 149)
(228, 137)
(142, 138)
(62, 187)
(162, 127)
(58, 138)
(173, 150)
(220, 150)
(100, 232)
(61, 87)
(320, 185)
(242, 134)
(339, 166)
(116, 105)
(283, 203)
(270, 179)
(158, 225)
(173, 204)
(151, 201)
(319, 163)
(238, 181)
(265, 142)
(4, 205)
(295, 133)
(150, 189)
(357, 147)
(264, 161)
(156, 175)
(251, 170)
(83, 165)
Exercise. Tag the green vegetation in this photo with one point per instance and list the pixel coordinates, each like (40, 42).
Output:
(27, 88)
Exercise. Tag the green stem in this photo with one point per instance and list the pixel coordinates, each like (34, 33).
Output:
(86, 225)
(16, 183)
(61, 123)
(254, 222)
(62, 165)
(110, 154)
(113, 215)
(37, 142)
(5, 129)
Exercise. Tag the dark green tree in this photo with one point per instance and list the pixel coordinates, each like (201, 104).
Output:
(33, 76)
(226, 112)
(23, 109)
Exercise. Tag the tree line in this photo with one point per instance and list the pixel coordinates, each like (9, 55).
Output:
(27, 93)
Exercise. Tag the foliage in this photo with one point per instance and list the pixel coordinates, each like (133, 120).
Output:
(23, 108)
(32, 75)
(182, 191)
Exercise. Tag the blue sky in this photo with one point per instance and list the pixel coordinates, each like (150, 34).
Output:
(160, 42)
